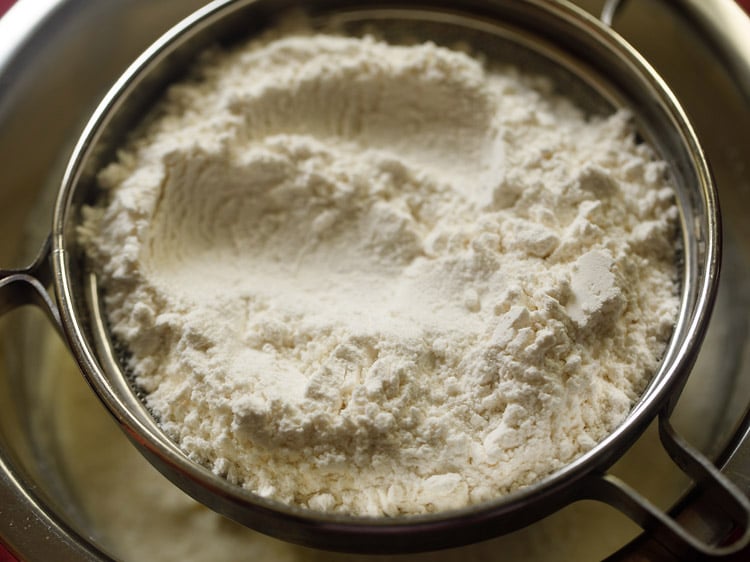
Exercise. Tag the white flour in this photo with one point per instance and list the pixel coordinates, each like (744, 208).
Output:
(139, 515)
(384, 280)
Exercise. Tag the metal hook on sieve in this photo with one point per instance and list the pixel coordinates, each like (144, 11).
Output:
(727, 513)
(28, 285)
(609, 11)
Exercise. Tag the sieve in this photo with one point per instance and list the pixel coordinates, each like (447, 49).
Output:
(591, 64)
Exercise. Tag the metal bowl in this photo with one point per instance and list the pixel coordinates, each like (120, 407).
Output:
(599, 70)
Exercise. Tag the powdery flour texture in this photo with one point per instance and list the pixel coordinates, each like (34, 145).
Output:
(382, 279)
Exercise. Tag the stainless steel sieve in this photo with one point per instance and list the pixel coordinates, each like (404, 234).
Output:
(589, 63)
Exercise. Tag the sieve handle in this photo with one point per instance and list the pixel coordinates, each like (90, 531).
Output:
(724, 511)
(19, 287)
(609, 11)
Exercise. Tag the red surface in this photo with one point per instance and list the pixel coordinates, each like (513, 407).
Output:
(5, 556)
(4, 5)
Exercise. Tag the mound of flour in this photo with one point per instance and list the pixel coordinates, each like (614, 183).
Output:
(381, 279)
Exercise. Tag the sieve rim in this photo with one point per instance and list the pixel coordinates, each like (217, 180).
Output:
(307, 526)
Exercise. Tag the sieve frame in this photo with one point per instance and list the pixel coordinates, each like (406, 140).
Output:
(579, 479)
